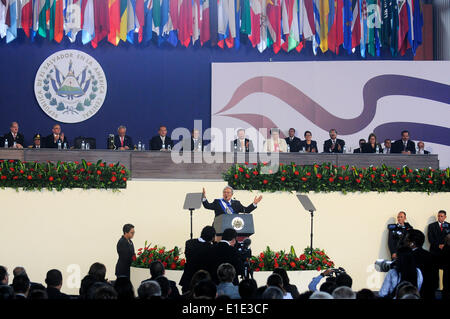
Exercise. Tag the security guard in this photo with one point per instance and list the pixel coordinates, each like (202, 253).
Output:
(397, 233)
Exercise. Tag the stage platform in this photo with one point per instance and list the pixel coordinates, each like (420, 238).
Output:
(197, 165)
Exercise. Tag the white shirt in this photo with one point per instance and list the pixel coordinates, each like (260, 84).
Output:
(163, 139)
(224, 241)
(201, 240)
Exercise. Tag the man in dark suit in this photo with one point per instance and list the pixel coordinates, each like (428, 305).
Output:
(404, 145)
(242, 143)
(333, 145)
(157, 270)
(125, 250)
(226, 205)
(397, 233)
(197, 252)
(196, 141)
(21, 286)
(54, 283)
(52, 140)
(121, 140)
(361, 143)
(421, 148)
(437, 232)
(14, 136)
(161, 141)
(415, 239)
(387, 146)
(225, 252)
(293, 142)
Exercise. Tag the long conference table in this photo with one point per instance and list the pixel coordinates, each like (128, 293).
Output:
(198, 165)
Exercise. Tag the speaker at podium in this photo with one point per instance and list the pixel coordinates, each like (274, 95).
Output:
(241, 223)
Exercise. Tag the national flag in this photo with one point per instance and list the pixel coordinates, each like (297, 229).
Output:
(373, 27)
(255, 20)
(148, 6)
(306, 19)
(394, 29)
(386, 18)
(56, 30)
(195, 20)
(336, 34)
(246, 18)
(26, 16)
(226, 22)
(114, 22)
(174, 12)
(290, 24)
(35, 19)
(213, 23)
(3, 25)
(11, 21)
(72, 22)
(348, 17)
(124, 18)
(87, 10)
(403, 26)
(324, 12)
(44, 17)
(363, 21)
(131, 20)
(417, 26)
(101, 21)
(166, 32)
(185, 22)
(140, 18)
(316, 38)
(356, 24)
(274, 25)
(237, 16)
(204, 21)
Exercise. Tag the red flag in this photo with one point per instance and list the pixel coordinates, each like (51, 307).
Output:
(174, 13)
(27, 17)
(185, 23)
(114, 22)
(403, 27)
(356, 25)
(204, 22)
(336, 33)
(255, 16)
(140, 15)
(101, 21)
(59, 20)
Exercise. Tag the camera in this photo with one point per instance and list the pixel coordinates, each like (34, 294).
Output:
(383, 265)
(336, 272)
(245, 253)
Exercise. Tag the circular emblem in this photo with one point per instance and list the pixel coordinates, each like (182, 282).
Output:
(70, 86)
(237, 223)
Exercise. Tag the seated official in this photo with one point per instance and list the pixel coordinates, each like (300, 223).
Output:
(397, 233)
(371, 145)
(241, 143)
(333, 145)
(225, 252)
(293, 142)
(361, 144)
(404, 145)
(36, 141)
(275, 143)
(197, 252)
(405, 269)
(161, 141)
(196, 141)
(226, 205)
(387, 146)
(52, 140)
(421, 148)
(424, 261)
(14, 137)
(121, 140)
(308, 145)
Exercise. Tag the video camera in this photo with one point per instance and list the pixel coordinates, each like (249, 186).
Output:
(336, 272)
(383, 265)
(245, 253)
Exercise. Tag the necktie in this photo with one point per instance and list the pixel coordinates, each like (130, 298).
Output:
(121, 141)
(441, 228)
(404, 146)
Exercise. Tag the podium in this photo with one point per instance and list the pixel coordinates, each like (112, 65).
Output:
(241, 223)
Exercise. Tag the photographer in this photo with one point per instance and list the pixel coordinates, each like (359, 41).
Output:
(340, 278)
(404, 269)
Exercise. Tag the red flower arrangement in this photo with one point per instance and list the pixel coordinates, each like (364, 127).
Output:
(170, 258)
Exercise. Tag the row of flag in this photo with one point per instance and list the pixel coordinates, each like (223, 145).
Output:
(277, 24)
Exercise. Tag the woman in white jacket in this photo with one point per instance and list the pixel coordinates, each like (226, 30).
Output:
(275, 143)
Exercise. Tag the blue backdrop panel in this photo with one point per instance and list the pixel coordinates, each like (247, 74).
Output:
(147, 85)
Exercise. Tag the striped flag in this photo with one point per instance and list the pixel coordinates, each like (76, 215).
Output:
(35, 19)
(336, 34)
(195, 21)
(44, 18)
(140, 18)
(306, 18)
(290, 24)
(72, 22)
(131, 20)
(3, 26)
(11, 21)
(26, 16)
(324, 15)
(356, 24)
(316, 38)
(148, 6)
(101, 22)
(274, 25)
(123, 19)
(403, 26)
(87, 10)
(363, 21)
(114, 22)
(256, 8)
(348, 15)
(204, 21)
(226, 22)
(56, 30)
(185, 22)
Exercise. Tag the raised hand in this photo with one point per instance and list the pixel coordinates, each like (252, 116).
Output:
(257, 199)
(204, 193)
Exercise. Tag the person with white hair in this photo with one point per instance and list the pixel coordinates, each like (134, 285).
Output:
(121, 140)
(149, 289)
(226, 205)
(343, 292)
(321, 295)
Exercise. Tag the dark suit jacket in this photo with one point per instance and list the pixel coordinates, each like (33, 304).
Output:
(49, 142)
(224, 253)
(235, 204)
(54, 293)
(194, 146)
(357, 150)
(174, 293)
(396, 236)
(367, 148)
(19, 139)
(397, 147)
(127, 141)
(125, 250)
(328, 143)
(295, 144)
(436, 237)
(310, 147)
(156, 143)
(197, 257)
(424, 262)
(248, 145)
(2, 141)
